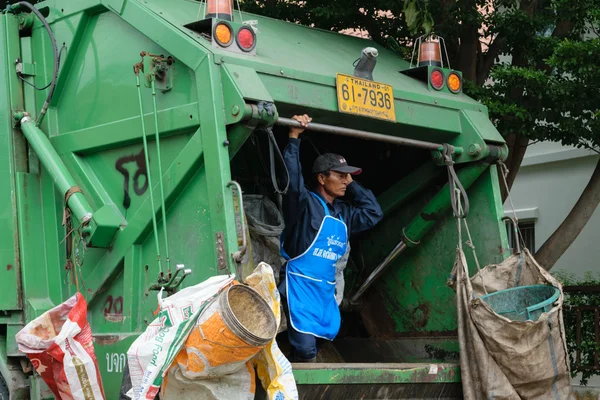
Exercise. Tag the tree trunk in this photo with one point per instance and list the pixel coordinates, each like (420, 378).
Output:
(567, 232)
(517, 146)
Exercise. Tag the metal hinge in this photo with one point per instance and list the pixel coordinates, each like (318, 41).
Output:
(220, 246)
(24, 69)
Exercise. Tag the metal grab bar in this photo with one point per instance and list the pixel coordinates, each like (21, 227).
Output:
(237, 256)
(356, 133)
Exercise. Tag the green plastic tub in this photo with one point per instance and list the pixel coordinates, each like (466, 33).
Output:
(523, 303)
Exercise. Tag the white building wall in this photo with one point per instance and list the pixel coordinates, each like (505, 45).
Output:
(548, 185)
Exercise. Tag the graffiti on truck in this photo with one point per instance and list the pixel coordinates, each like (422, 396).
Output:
(113, 309)
(138, 187)
(113, 305)
(115, 362)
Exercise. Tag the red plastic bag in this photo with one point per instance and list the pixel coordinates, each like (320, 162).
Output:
(59, 345)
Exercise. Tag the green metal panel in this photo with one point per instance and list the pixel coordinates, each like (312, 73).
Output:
(411, 298)
(478, 122)
(41, 272)
(248, 82)
(439, 205)
(9, 267)
(378, 374)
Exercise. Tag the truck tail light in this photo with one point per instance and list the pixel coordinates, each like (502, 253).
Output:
(454, 82)
(246, 38)
(437, 79)
(223, 34)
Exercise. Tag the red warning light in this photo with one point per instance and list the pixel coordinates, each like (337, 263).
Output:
(437, 79)
(246, 38)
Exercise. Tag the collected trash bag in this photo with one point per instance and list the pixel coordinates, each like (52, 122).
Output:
(59, 345)
(265, 224)
(229, 332)
(235, 333)
(516, 350)
(150, 356)
(273, 368)
(126, 392)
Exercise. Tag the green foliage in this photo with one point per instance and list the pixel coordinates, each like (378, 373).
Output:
(417, 16)
(588, 343)
(561, 105)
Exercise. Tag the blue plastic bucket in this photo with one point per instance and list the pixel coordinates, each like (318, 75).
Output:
(523, 303)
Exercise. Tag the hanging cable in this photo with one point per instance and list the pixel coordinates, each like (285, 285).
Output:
(20, 75)
(160, 174)
(151, 187)
(273, 148)
(52, 84)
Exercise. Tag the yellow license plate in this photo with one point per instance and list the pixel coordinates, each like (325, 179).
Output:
(363, 97)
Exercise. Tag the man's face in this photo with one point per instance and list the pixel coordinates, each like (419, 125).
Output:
(335, 184)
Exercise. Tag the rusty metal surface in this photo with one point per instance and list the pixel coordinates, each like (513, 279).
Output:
(440, 349)
(444, 391)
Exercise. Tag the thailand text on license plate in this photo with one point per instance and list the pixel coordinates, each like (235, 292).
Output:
(363, 97)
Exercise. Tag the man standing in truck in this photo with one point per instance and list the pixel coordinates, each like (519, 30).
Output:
(318, 225)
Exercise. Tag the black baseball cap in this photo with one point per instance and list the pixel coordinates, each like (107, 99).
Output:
(333, 162)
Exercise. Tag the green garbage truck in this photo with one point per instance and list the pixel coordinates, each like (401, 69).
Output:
(132, 131)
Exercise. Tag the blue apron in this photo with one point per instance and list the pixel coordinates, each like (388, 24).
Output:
(310, 280)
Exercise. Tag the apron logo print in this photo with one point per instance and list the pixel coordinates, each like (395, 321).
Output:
(327, 254)
(334, 241)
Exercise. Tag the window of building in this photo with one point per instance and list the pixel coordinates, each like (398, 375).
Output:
(527, 229)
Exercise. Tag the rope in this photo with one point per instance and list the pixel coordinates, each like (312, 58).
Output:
(79, 257)
(457, 191)
(519, 236)
(67, 222)
(453, 182)
(519, 240)
(470, 244)
(67, 212)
